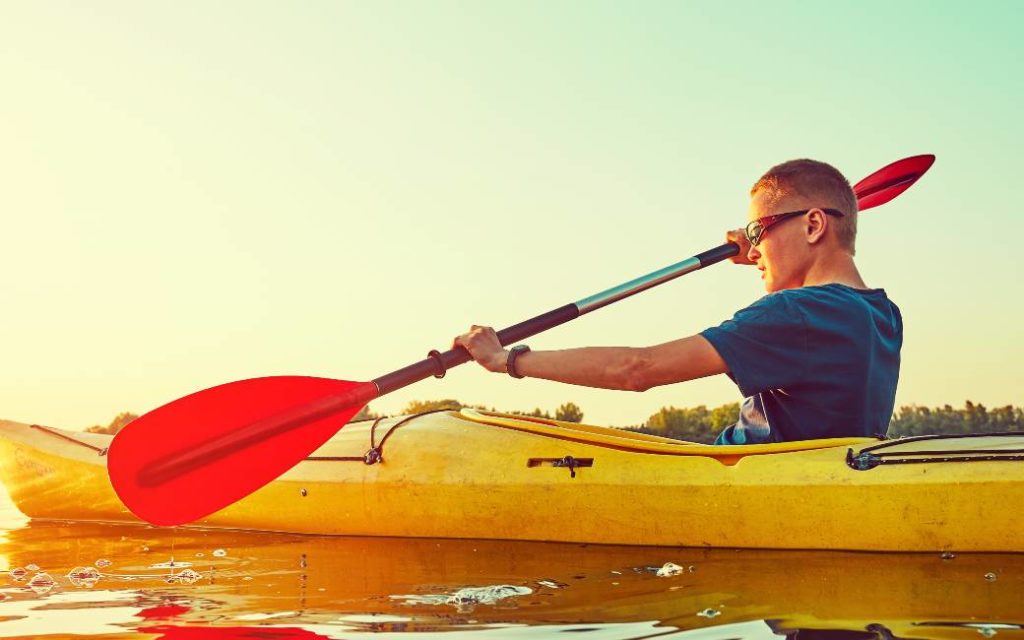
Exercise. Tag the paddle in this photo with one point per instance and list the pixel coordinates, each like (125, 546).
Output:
(201, 453)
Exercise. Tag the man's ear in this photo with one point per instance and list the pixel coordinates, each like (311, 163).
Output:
(817, 224)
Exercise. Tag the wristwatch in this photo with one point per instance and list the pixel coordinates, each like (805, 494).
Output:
(510, 364)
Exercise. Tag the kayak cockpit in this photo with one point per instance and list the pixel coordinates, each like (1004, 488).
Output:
(644, 443)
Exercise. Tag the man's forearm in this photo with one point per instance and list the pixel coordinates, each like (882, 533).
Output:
(620, 368)
(625, 368)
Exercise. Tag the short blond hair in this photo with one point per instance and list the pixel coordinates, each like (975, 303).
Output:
(819, 182)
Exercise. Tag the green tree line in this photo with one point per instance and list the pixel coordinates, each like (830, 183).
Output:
(568, 412)
(695, 424)
(913, 420)
(701, 424)
(115, 425)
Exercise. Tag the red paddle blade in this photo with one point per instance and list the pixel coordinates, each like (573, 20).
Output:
(890, 181)
(200, 453)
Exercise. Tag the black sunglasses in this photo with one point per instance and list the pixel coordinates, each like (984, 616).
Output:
(755, 230)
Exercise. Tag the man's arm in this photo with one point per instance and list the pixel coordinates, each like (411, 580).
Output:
(625, 368)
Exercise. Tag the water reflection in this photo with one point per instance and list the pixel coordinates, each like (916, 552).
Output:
(118, 581)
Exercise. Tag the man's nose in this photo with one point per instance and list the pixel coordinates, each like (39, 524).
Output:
(753, 254)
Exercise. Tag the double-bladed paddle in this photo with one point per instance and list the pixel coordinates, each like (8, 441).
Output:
(202, 452)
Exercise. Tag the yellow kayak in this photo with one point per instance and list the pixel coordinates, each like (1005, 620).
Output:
(488, 476)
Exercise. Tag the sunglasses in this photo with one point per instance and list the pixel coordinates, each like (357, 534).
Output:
(755, 230)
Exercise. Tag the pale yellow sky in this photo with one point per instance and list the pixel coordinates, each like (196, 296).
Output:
(197, 193)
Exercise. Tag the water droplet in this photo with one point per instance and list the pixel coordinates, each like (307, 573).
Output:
(200, 555)
(84, 577)
(948, 555)
(552, 584)
(188, 576)
(668, 569)
(692, 568)
(103, 563)
(17, 574)
(219, 553)
(170, 565)
(145, 549)
(991, 577)
(709, 613)
(32, 567)
(41, 583)
(988, 632)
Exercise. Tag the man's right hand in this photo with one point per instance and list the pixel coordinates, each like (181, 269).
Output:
(739, 236)
(482, 343)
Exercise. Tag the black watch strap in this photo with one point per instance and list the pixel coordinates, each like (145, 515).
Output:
(510, 364)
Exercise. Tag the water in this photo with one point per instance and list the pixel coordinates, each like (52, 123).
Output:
(119, 581)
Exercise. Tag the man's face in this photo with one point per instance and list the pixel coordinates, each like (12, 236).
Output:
(781, 253)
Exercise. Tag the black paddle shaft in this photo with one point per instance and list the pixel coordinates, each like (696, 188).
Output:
(438, 363)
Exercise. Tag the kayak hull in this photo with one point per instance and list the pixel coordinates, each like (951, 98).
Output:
(471, 475)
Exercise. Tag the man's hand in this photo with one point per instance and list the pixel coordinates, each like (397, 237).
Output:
(482, 343)
(739, 236)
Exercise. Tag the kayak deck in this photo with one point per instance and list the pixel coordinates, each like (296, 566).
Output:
(480, 475)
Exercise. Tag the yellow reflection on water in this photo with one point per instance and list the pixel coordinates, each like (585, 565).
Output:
(178, 581)
(10, 518)
(120, 581)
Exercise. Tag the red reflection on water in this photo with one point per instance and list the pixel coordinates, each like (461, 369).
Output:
(168, 632)
(163, 612)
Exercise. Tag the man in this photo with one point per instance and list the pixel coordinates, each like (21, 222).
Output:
(817, 357)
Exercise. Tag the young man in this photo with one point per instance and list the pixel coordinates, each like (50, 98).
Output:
(818, 357)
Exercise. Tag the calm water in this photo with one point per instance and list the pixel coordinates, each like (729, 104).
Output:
(65, 580)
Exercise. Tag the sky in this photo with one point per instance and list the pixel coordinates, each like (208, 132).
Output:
(193, 193)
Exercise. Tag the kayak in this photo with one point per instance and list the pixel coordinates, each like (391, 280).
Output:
(479, 475)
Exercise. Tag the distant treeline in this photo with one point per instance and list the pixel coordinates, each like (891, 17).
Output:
(115, 425)
(700, 424)
(696, 424)
(973, 418)
(568, 412)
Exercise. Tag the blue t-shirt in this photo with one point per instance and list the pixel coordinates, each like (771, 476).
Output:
(812, 362)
